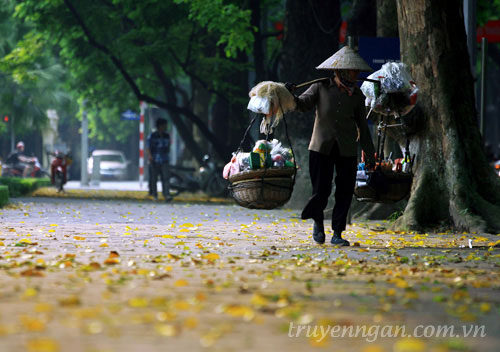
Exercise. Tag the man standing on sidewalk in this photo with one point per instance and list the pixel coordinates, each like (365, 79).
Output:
(158, 150)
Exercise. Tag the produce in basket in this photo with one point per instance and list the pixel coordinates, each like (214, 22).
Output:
(398, 92)
(265, 154)
(271, 99)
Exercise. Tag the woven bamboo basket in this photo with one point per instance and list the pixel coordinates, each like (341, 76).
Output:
(394, 187)
(263, 192)
(259, 173)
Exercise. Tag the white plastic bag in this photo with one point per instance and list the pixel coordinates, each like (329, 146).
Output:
(398, 92)
(260, 105)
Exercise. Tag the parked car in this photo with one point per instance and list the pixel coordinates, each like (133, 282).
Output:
(113, 164)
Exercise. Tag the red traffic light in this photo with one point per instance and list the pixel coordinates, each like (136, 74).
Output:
(6, 118)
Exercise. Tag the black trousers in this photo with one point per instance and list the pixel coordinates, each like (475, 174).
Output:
(321, 168)
(162, 171)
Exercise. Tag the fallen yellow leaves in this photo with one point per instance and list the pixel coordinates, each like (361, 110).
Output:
(180, 283)
(237, 310)
(211, 257)
(32, 324)
(69, 301)
(410, 345)
(42, 345)
(113, 258)
(167, 330)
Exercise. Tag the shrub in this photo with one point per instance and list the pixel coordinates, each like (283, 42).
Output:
(23, 186)
(4, 195)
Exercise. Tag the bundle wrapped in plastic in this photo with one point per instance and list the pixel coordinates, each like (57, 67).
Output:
(397, 94)
(265, 154)
(272, 99)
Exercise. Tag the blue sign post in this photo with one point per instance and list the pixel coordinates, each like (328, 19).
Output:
(130, 116)
(376, 51)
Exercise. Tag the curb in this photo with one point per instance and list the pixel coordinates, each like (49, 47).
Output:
(141, 196)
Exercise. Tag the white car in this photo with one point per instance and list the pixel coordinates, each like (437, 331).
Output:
(113, 164)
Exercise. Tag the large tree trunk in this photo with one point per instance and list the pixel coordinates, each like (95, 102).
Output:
(453, 184)
(310, 36)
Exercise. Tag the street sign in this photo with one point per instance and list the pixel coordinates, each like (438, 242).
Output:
(376, 51)
(490, 31)
(130, 115)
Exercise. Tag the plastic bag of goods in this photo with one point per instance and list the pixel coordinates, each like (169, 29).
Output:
(272, 99)
(397, 94)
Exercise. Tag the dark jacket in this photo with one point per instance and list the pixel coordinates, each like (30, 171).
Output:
(338, 118)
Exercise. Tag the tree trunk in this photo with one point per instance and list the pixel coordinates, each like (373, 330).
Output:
(453, 184)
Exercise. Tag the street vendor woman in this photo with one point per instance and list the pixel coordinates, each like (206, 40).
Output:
(339, 125)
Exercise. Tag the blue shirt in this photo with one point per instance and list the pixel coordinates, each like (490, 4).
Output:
(159, 146)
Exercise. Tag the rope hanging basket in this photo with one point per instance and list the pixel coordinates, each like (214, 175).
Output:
(268, 187)
(263, 192)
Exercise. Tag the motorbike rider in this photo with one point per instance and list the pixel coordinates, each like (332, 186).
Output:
(60, 161)
(20, 161)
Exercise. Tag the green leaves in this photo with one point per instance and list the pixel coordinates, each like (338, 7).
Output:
(228, 21)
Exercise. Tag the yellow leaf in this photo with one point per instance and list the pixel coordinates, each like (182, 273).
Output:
(167, 236)
(30, 292)
(2, 244)
(187, 224)
(104, 245)
(259, 300)
(190, 323)
(79, 238)
(112, 261)
(42, 345)
(69, 301)
(180, 283)
(401, 283)
(43, 308)
(54, 225)
(409, 345)
(32, 324)
(211, 256)
(138, 302)
(166, 330)
(182, 230)
(182, 305)
(485, 307)
(390, 292)
(237, 310)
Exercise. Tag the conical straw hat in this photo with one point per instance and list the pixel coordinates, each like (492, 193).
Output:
(345, 59)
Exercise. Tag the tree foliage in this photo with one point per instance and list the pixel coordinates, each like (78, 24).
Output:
(30, 75)
(123, 51)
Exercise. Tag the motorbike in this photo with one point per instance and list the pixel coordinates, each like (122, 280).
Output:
(17, 170)
(59, 168)
(210, 179)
